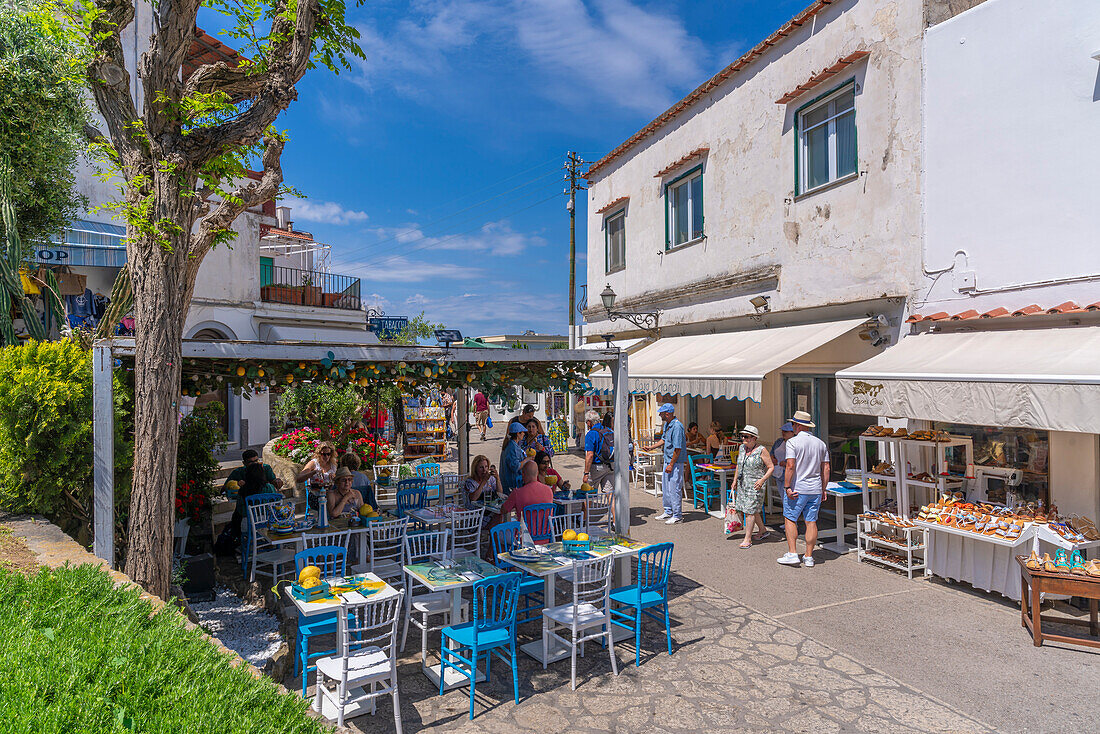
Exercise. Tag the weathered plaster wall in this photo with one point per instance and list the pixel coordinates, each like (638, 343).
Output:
(856, 241)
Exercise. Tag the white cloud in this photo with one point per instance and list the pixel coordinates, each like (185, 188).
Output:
(497, 310)
(495, 238)
(402, 269)
(323, 212)
(618, 51)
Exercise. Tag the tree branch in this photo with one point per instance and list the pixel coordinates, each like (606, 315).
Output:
(239, 82)
(110, 81)
(160, 65)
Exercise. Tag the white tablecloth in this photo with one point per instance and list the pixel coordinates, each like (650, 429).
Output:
(981, 564)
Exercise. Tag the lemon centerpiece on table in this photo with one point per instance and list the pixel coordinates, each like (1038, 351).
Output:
(307, 573)
(586, 487)
(310, 583)
(367, 511)
(582, 537)
(570, 535)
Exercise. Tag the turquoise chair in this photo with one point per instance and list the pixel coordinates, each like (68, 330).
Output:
(496, 601)
(412, 494)
(505, 536)
(332, 560)
(430, 473)
(649, 593)
(703, 486)
(537, 518)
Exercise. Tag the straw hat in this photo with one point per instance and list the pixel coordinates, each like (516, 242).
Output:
(342, 472)
(750, 430)
(802, 418)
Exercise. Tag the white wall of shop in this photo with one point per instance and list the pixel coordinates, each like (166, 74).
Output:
(855, 241)
(1075, 473)
(1012, 110)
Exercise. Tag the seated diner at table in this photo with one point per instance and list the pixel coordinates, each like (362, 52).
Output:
(716, 441)
(695, 439)
(542, 460)
(343, 499)
(255, 482)
(322, 466)
(536, 438)
(359, 480)
(482, 483)
(531, 492)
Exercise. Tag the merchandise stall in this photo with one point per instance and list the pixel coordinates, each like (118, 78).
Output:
(979, 472)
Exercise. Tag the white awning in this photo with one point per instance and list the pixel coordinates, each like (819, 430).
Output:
(273, 333)
(626, 345)
(730, 365)
(1040, 378)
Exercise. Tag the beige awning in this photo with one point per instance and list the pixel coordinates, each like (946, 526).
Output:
(730, 365)
(1036, 378)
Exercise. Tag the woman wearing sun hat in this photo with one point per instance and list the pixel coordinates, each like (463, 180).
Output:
(750, 479)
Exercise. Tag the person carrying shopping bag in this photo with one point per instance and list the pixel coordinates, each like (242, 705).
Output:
(750, 482)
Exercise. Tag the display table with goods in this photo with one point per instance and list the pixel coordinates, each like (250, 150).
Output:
(887, 538)
(425, 431)
(923, 455)
(1062, 576)
(977, 542)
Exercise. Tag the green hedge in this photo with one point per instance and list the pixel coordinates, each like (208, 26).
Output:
(78, 654)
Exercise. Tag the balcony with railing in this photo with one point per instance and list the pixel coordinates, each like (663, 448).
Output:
(280, 284)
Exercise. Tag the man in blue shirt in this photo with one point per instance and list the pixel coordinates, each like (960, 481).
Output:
(512, 456)
(599, 472)
(674, 442)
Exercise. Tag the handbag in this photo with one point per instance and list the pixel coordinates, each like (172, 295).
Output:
(733, 523)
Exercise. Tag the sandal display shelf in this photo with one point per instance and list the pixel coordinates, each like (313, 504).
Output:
(909, 544)
(903, 453)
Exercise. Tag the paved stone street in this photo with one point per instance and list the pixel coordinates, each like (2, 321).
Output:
(732, 669)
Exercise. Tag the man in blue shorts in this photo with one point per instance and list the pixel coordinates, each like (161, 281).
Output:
(805, 477)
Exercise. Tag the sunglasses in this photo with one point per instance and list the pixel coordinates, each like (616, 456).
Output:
(326, 453)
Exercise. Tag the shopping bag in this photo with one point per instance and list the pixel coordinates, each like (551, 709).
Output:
(733, 523)
(489, 421)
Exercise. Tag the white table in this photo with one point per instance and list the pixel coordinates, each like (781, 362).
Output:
(549, 568)
(322, 606)
(337, 525)
(453, 585)
(838, 545)
(724, 472)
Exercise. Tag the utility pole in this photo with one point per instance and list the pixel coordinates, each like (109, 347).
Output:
(573, 164)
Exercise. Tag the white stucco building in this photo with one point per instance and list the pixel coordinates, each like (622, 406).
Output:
(791, 177)
(270, 284)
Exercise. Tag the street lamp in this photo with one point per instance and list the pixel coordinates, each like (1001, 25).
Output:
(646, 320)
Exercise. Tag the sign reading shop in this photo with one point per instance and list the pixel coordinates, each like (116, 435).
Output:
(57, 256)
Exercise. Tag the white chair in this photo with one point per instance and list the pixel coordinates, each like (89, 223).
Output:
(598, 511)
(645, 466)
(560, 523)
(366, 665)
(387, 550)
(466, 533)
(312, 540)
(423, 548)
(590, 610)
(452, 485)
(274, 556)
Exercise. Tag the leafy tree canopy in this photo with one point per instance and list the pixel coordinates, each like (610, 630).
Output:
(42, 117)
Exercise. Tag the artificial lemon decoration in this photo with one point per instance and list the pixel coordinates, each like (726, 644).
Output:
(289, 378)
(233, 484)
(260, 373)
(569, 535)
(309, 572)
(310, 583)
(366, 511)
(586, 487)
(530, 452)
(582, 537)
(241, 371)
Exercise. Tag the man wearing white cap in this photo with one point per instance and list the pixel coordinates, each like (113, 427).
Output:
(674, 442)
(805, 478)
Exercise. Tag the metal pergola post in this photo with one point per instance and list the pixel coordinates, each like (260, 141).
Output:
(620, 398)
(103, 436)
(462, 437)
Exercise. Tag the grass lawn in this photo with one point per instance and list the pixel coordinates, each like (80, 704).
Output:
(79, 655)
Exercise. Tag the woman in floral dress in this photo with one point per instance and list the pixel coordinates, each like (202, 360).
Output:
(750, 480)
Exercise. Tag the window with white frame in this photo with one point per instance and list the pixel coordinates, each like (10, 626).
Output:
(827, 139)
(615, 241)
(684, 208)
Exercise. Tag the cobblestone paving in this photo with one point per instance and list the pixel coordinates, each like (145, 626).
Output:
(732, 669)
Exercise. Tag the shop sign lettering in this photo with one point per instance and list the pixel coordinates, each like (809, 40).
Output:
(864, 393)
(56, 256)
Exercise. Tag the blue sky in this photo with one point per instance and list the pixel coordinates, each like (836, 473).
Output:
(433, 167)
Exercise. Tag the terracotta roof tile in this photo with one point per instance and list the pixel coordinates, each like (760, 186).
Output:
(707, 86)
(913, 319)
(995, 313)
(205, 49)
(971, 314)
(697, 153)
(289, 233)
(822, 76)
(1067, 307)
(1027, 310)
(612, 204)
(1093, 306)
(938, 316)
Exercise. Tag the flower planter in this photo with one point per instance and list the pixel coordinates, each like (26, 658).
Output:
(280, 294)
(311, 295)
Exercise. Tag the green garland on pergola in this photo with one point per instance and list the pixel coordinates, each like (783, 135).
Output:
(245, 376)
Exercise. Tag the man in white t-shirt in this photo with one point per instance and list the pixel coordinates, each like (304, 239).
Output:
(805, 478)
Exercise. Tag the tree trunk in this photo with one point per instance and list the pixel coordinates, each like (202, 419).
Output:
(161, 298)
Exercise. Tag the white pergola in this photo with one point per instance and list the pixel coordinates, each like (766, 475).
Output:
(106, 351)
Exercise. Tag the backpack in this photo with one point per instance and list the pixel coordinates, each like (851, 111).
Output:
(606, 450)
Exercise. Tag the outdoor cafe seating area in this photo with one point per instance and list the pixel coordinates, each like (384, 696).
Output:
(468, 585)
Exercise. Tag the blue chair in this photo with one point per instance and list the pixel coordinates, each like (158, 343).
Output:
(650, 592)
(431, 474)
(496, 600)
(248, 542)
(505, 536)
(703, 486)
(537, 518)
(332, 560)
(412, 494)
